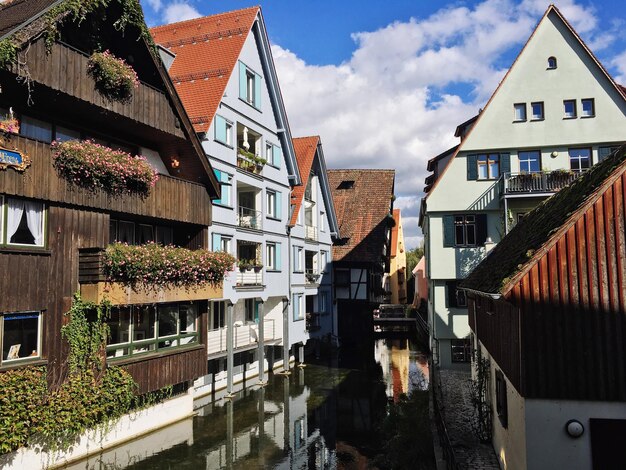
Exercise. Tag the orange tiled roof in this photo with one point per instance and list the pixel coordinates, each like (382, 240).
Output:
(305, 148)
(207, 50)
(394, 232)
(362, 211)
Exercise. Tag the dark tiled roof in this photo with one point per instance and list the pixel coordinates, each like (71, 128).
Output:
(305, 148)
(15, 13)
(536, 229)
(362, 213)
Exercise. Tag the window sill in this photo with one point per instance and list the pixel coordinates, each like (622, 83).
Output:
(515, 121)
(17, 364)
(223, 206)
(273, 166)
(273, 271)
(224, 144)
(588, 117)
(25, 251)
(273, 218)
(249, 104)
(537, 119)
(568, 118)
(122, 361)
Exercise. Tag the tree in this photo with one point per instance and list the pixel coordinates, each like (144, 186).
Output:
(413, 257)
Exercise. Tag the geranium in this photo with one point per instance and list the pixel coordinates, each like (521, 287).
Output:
(114, 78)
(90, 165)
(11, 125)
(163, 266)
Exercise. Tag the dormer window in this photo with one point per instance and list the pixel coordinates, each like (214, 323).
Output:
(346, 184)
(551, 63)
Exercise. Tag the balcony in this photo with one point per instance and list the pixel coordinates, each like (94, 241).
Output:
(250, 218)
(250, 163)
(310, 232)
(531, 184)
(311, 276)
(249, 278)
(244, 336)
(95, 288)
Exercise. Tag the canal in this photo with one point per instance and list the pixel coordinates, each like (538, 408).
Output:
(349, 411)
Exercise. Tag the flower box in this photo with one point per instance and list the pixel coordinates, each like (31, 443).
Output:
(11, 126)
(115, 80)
(92, 166)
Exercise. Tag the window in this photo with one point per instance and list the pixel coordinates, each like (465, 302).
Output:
(273, 204)
(322, 301)
(21, 336)
(519, 112)
(251, 307)
(551, 62)
(579, 159)
(221, 242)
(36, 129)
(249, 86)
(604, 152)
(273, 154)
(297, 259)
(323, 261)
(272, 258)
(536, 110)
(62, 134)
(488, 166)
(223, 131)
(218, 315)
(346, 184)
(456, 297)
(461, 350)
(569, 109)
(298, 311)
(24, 223)
(226, 184)
(145, 234)
(144, 328)
(322, 222)
(164, 235)
(465, 230)
(529, 162)
(501, 401)
(588, 108)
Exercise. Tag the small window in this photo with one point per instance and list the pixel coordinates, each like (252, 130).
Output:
(529, 162)
(272, 257)
(164, 235)
(501, 399)
(126, 232)
(604, 152)
(569, 109)
(488, 166)
(21, 336)
(465, 230)
(579, 159)
(519, 112)
(223, 131)
(551, 62)
(271, 204)
(273, 155)
(537, 111)
(461, 350)
(36, 129)
(588, 108)
(25, 223)
(322, 222)
(251, 307)
(323, 261)
(145, 234)
(249, 86)
(218, 314)
(456, 297)
(346, 184)
(297, 259)
(298, 311)
(63, 134)
(226, 184)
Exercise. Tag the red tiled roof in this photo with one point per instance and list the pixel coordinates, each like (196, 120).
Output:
(362, 213)
(305, 148)
(207, 50)
(394, 232)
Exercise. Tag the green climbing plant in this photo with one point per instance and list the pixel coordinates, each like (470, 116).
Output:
(479, 396)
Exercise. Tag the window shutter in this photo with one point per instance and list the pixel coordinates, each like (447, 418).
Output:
(279, 206)
(481, 229)
(603, 152)
(257, 91)
(220, 129)
(451, 294)
(217, 241)
(256, 311)
(472, 169)
(505, 163)
(243, 92)
(278, 263)
(218, 175)
(277, 155)
(448, 230)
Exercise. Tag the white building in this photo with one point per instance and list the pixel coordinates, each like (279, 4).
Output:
(555, 113)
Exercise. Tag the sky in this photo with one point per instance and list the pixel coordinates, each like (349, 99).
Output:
(385, 83)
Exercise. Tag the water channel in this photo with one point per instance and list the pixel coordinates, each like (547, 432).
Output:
(346, 412)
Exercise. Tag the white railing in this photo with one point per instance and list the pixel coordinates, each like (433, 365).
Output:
(250, 218)
(250, 277)
(312, 276)
(243, 335)
(310, 232)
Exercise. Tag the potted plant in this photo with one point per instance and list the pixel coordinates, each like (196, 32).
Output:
(257, 267)
(113, 77)
(10, 124)
(243, 264)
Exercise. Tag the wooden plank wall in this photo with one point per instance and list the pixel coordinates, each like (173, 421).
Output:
(65, 69)
(171, 198)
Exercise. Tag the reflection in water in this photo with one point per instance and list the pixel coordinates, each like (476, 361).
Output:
(319, 417)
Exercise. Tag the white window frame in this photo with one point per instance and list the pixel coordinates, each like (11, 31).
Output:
(270, 256)
(297, 259)
(569, 115)
(322, 221)
(4, 219)
(250, 86)
(539, 116)
(583, 114)
(226, 184)
(270, 200)
(226, 244)
(297, 300)
(487, 160)
(39, 337)
(519, 112)
(323, 261)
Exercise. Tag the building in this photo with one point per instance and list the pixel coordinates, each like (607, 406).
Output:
(313, 229)
(547, 308)
(54, 228)
(396, 281)
(364, 204)
(420, 283)
(223, 69)
(555, 114)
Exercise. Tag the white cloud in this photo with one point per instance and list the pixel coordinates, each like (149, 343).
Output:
(393, 105)
(179, 11)
(155, 4)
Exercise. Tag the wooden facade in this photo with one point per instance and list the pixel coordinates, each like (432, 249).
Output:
(44, 278)
(560, 332)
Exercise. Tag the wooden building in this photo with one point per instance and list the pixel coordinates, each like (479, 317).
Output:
(547, 308)
(52, 232)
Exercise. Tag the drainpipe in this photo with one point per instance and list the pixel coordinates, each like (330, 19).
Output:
(286, 346)
(261, 344)
(230, 356)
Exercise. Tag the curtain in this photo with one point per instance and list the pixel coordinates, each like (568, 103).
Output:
(34, 219)
(16, 210)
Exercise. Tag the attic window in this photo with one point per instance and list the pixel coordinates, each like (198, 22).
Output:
(551, 62)
(346, 184)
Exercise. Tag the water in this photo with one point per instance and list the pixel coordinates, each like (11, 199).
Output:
(344, 412)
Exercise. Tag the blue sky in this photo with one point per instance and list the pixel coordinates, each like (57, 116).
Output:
(384, 83)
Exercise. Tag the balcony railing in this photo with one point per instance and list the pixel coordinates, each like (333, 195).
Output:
(538, 182)
(243, 336)
(248, 164)
(250, 277)
(310, 232)
(313, 321)
(250, 218)
(311, 276)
